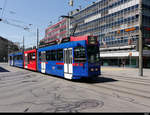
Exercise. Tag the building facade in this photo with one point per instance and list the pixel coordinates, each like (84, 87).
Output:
(6, 47)
(56, 31)
(116, 23)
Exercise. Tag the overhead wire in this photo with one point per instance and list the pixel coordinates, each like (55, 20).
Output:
(7, 21)
(3, 9)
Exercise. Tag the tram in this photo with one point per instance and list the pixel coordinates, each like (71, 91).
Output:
(74, 58)
(30, 59)
(71, 58)
(16, 59)
(10, 59)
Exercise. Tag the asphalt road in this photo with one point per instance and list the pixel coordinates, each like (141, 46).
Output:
(27, 91)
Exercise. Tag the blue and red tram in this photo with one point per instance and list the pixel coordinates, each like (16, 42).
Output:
(70, 58)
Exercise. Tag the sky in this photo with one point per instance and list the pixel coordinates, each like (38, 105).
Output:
(39, 13)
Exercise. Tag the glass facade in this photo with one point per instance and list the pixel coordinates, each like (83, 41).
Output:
(110, 20)
(115, 22)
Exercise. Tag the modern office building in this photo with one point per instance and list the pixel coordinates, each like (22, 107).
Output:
(116, 23)
(56, 31)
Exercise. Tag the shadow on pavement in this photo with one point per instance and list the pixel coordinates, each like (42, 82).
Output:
(3, 70)
(96, 80)
(92, 80)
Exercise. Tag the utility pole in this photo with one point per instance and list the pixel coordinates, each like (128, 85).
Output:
(23, 51)
(37, 48)
(140, 39)
(37, 38)
(23, 43)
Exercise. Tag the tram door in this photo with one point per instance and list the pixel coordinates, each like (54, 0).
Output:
(26, 61)
(43, 62)
(11, 61)
(68, 67)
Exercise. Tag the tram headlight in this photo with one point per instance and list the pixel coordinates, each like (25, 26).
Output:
(96, 69)
(92, 69)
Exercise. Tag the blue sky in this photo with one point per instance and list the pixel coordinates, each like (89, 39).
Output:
(36, 12)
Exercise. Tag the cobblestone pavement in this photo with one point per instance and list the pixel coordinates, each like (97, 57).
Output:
(116, 90)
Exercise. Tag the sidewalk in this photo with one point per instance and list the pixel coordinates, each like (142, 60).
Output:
(125, 72)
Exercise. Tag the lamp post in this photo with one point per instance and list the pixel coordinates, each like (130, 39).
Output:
(37, 38)
(140, 40)
(23, 51)
(37, 47)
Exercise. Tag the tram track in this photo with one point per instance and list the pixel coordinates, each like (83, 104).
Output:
(116, 92)
(120, 94)
(131, 80)
(20, 83)
(9, 75)
(15, 77)
(132, 90)
(24, 88)
(15, 80)
(127, 90)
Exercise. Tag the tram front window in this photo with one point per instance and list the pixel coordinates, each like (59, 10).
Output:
(79, 54)
(93, 54)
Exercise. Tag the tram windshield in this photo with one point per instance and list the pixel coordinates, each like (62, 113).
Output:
(79, 54)
(93, 54)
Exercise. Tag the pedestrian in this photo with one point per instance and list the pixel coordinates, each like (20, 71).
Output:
(123, 63)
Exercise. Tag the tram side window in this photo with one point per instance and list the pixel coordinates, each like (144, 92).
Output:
(33, 56)
(21, 58)
(60, 55)
(43, 56)
(93, 57)
(53, 55)
(29, 58)
(10, 57)
(18, 57)
(48, 55)
(40, 56)
(15, 57)
(79, 54)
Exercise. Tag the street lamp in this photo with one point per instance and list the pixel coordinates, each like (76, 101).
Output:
(37, 38)
(140, 40)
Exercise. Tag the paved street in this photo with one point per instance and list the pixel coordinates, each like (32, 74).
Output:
(116, 90)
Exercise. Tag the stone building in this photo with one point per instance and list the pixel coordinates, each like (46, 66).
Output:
(6, 47)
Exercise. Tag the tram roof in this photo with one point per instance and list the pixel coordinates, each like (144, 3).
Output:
(63, 45)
